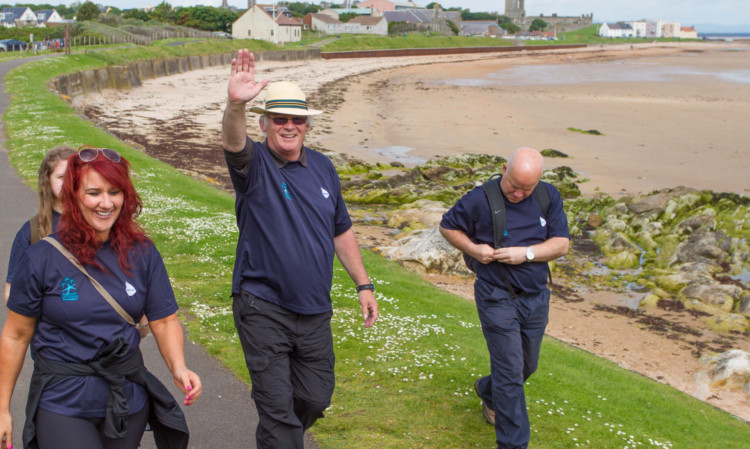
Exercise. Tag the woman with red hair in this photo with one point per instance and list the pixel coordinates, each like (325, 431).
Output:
(90, 388)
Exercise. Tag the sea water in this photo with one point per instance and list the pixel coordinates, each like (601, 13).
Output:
(600, 72)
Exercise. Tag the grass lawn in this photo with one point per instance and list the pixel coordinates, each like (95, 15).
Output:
(406, 382)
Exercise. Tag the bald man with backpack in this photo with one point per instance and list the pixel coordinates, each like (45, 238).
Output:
(508, 229)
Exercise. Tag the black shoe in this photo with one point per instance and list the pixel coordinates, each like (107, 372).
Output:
(488, 413)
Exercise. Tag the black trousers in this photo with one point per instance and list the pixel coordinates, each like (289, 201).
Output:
(55, 431)
(290, 359)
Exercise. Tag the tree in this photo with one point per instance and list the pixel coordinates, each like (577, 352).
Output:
(135, 14)
(347, 16)
(164, 12)
(453, 27)
(87, 11)
(538, 25)
(468, 15)
(507, 24)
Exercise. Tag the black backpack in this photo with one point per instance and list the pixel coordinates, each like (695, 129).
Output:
(497, 209)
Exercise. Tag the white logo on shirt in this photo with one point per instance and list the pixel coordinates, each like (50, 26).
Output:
(129, 289)
(325, 193)
(542, 221)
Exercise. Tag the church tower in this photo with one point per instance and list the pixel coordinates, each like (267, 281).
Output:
(515, 10)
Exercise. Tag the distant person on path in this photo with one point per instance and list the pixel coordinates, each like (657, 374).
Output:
(292, 219)
(51, 172)
(89, 388)
(510, 290)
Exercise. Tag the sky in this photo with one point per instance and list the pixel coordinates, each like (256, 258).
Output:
(687, 12)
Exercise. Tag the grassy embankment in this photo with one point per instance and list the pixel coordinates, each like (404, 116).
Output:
(407, 382)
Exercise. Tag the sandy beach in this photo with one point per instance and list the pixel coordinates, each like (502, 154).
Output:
(670, 115)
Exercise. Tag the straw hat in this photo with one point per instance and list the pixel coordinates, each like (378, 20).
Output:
(285, 97)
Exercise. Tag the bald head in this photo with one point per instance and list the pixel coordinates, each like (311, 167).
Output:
(521, 174)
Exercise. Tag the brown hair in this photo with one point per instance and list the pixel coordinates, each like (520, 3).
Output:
(46, 197)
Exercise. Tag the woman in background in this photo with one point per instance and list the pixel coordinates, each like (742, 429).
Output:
(51, 172)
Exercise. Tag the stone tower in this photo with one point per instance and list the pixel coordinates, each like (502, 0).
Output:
(250, 4)
(515, 10)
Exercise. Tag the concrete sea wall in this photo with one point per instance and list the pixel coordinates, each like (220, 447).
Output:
(72, 85)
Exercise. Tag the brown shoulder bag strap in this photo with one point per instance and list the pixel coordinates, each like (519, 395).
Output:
(35, 231)
(96, 283)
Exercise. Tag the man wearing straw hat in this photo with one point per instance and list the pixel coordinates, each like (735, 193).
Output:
(292, 219)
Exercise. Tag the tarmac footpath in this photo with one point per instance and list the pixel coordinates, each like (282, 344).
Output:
(223, 418)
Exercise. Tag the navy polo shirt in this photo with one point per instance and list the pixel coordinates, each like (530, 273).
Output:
(288, 214)
(525, 226)
(23, 241)
(74, 321)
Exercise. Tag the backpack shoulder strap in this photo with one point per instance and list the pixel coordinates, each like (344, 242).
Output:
(541, 194)
(35, 233)
(497, 208)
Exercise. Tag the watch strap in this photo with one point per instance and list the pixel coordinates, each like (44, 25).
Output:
(365, 287)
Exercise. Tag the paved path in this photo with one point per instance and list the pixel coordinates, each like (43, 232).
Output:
(223, 418)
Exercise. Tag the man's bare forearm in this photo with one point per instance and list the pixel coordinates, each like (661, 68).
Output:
(234, 127)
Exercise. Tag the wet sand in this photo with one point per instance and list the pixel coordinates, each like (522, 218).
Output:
(678, 122)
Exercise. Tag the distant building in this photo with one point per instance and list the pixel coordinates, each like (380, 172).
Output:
(49, 17)
(256, 23)
(358, 11)
(371, 25)
(358, 25)
(487, 28)
(671, 29)
(619, 29)
(688, 33)
(12, 17)
(517, 13)
(385, 5)
(324, 23)
(426, 19)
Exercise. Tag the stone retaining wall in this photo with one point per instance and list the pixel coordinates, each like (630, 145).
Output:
(128, 76)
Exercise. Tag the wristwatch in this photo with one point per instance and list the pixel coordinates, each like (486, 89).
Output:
(529, 254)
(365, 287)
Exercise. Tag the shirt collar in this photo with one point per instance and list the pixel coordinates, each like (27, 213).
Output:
(281, 162)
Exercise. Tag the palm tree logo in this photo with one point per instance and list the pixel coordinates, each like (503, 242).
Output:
(69, 289)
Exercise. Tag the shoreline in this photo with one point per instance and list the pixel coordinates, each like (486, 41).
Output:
(368, 102)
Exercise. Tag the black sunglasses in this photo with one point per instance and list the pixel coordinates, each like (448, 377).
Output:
(281, 121)
(89, 154)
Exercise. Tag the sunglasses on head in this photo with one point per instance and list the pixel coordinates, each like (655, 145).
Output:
(281, 121)
(89, 154)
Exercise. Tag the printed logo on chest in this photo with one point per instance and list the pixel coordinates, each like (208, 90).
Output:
(69, 289)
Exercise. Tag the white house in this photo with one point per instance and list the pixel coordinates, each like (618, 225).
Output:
(256, 23)
(370, 25)
(640, 28)
(618, 29)
(49, 17)
(324, 23)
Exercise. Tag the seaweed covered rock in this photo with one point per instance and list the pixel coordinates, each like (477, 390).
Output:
(417, 215)
(705, 247)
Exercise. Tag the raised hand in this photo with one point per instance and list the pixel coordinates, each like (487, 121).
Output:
(242, 86)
